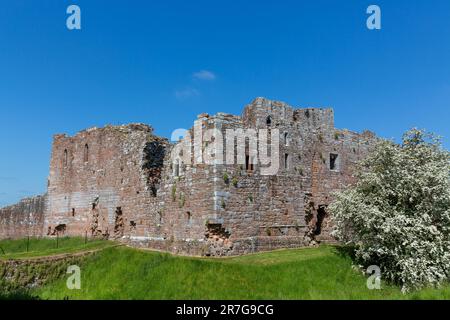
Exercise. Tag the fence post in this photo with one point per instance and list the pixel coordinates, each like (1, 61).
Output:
(57, 239)
(28, 243)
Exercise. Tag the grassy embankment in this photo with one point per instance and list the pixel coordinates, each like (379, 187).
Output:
(309, 273)
(34, 247)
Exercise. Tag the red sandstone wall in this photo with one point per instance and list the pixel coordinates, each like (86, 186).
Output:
(289, 204)
(120, 182)
(23, 219)
(103, 182)
(187, 199)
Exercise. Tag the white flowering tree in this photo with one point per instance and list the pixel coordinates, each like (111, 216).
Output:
(397, 216)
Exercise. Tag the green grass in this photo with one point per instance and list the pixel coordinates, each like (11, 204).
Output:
(309, 273)
(17, 249)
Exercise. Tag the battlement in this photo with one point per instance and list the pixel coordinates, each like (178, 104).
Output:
(263, 112)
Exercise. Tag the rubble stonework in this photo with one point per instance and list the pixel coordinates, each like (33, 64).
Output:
(124, 183)
(23, 219)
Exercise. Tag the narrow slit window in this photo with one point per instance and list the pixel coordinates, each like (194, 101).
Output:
(286, 161)
(65, 158)
(159, 218)
(249, 164)
(86, 153)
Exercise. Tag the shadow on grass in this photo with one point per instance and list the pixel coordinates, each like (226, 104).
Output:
(17, 295)
(347, 252)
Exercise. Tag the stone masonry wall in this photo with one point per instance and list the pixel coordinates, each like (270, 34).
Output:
(259, 212)
(23, 219)
(125, 183)
(103, 182)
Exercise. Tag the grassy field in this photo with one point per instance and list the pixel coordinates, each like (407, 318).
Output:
(17, 249)
(310, 273)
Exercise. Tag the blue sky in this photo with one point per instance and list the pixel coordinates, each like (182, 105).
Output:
(164, 62)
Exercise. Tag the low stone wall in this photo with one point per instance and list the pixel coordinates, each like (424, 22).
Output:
(188, 248)
(23, 219)
(205, 248)
(23, 274)
(259, 244)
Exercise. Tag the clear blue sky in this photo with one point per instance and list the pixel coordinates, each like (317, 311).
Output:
(141, 61)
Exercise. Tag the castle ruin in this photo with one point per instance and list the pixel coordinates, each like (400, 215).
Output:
(127, 184)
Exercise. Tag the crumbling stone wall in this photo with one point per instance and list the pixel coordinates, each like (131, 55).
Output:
(185, 204)
(224, 209)
(254, 212)
(123, 182)
(20, 275)
(103, 182)
(23, 219)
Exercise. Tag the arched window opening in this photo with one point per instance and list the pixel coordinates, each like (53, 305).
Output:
(269, 121)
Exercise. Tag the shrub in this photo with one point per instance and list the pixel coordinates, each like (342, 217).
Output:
(398, 214)
(226, 178)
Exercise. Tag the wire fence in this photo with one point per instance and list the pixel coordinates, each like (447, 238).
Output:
(29, 244)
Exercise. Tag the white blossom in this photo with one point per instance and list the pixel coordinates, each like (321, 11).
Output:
(397, 216)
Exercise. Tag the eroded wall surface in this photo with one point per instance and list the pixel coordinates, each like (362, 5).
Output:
(125, 183)
(103, 182)
(287, 209)
(23, 219)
